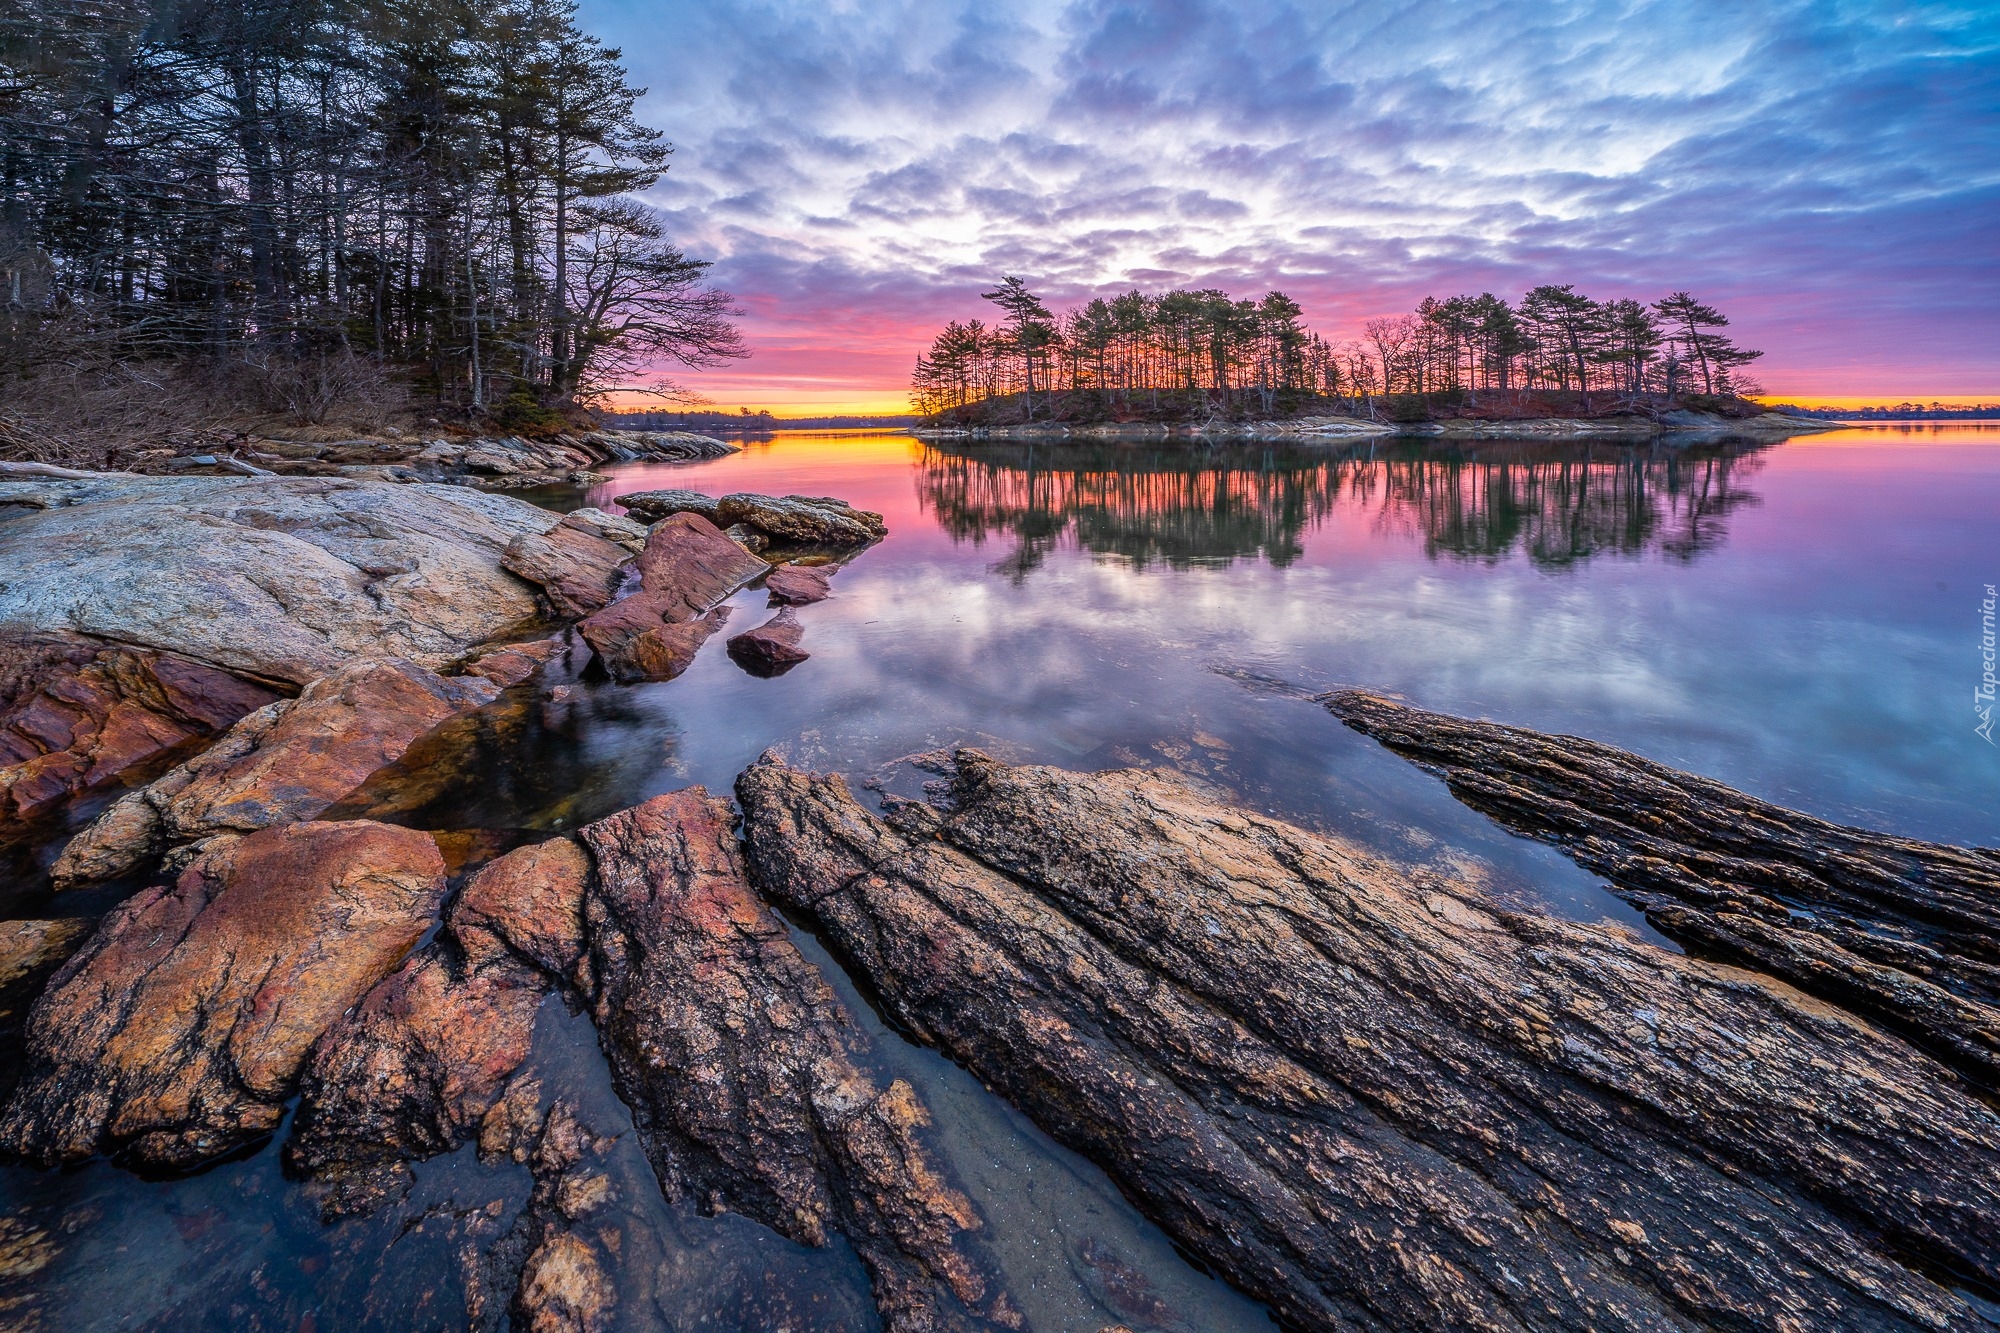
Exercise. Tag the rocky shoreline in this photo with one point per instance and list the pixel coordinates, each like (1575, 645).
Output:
(1678, 424)
(1366, 1093)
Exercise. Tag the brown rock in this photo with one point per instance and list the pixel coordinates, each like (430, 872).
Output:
(421, 1063)
(740, 1067)
(565, 1284)
(772, 648)
(577, 569)
(1374, 1098)
(288, 761)
(30, 952)
(77, 715)
(687, 568)
(799, 585)
(1906, 932)
(179, 1030)
(514, 663)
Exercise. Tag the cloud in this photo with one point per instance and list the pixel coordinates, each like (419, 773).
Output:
(1826, 172)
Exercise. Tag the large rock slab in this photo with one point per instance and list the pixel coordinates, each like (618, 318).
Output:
(687, 567)
(1372, 1096)
(179, 1030)
(277, 578)
(78, 715)
(796, 520)
(745, 1075)
(289, 761)
(1906, 932)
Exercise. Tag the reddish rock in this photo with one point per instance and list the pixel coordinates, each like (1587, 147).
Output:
(515, 663)
(740, 1067)
(77, 715)
(799, 585)
(772, 648)
(577, 569)
(30, 952)
(565, 1284)
(289, 761)
(687, 568)
(179, 1030)
(418, 1066)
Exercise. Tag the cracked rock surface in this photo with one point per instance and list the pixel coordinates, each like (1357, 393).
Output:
(1373, 1097)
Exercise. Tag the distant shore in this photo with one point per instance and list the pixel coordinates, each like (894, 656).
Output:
(1681, 423)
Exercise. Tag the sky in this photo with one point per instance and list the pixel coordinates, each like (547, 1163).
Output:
(1828, 173)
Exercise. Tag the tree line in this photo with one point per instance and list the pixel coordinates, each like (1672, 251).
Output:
(1206, 350)
(442, 185)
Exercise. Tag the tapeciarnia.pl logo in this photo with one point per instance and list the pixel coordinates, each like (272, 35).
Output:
(1982, 698)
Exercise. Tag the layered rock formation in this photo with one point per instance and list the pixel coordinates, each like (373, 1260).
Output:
(687, 567)
(1906, 932)
(291, 760)
(578, 563)
(499, 462)
(178, 1031)
(1373, 1097)
(792, 520)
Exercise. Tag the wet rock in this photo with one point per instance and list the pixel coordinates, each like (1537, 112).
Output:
(78, 715)
(179, 1030)
(514, 663)
(798, 520)
(565, 1284)
(578, 569)
(1371, 1096)
(741, 1068)
(288, 761)
(772, 648)
(30, 952)
(1905, 932)
(276, 578)
(420, 1065)
(799, 585)
(687, 567)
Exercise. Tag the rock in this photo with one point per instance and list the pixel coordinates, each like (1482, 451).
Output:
(515, 663)
(30, 952)
(1371, 1096)
(578, 570)
(685, 570)
(611, 527)
(800, 520)
(178, 1031)
(799, 585)
(78, 715)
(276, 578)
(565, 1284)
(288, 761)
(772, 648)
(743, 1071)
(1905, 932)
(421, 1063)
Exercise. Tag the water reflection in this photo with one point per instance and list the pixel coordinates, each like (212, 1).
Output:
(1558, 504)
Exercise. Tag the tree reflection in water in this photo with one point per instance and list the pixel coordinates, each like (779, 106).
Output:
(1558, 503)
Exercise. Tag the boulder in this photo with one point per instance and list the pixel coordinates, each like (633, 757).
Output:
(30, 953)
(279, 579)
(577, 569)
(745, 1075)
(1906, 932)
(652, 506)
(687, 567)
(78, 715)
(1373, 1096)
(291, 760)
(799, 585)
(796, 520)
(178, 1031)
(772, 648)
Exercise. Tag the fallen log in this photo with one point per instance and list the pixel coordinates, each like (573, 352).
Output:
(1903, 931)
(1373, 1097)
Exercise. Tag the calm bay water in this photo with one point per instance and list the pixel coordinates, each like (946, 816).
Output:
(1798, 620)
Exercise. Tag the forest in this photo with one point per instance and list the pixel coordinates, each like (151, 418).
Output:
(310, 197)
(1191, 353)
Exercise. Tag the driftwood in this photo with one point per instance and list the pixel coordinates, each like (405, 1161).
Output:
(1373, 1097)
(1905, 932)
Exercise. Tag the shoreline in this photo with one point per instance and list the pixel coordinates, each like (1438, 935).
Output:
(1686, 425)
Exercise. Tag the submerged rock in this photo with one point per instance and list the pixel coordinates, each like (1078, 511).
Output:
(740, 1067)
(78, 715)
(288, 761)
(798, 520)
(799, 585)
(1906, 932)
(1371, 1096)
(772, 648)
(179, 1030)
(687, 567)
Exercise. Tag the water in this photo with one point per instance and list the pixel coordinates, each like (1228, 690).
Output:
(1799, 620)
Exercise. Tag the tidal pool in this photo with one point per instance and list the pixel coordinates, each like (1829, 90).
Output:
(1800, 620)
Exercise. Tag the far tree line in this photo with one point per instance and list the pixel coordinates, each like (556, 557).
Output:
(443, 186)
(1205, 346)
